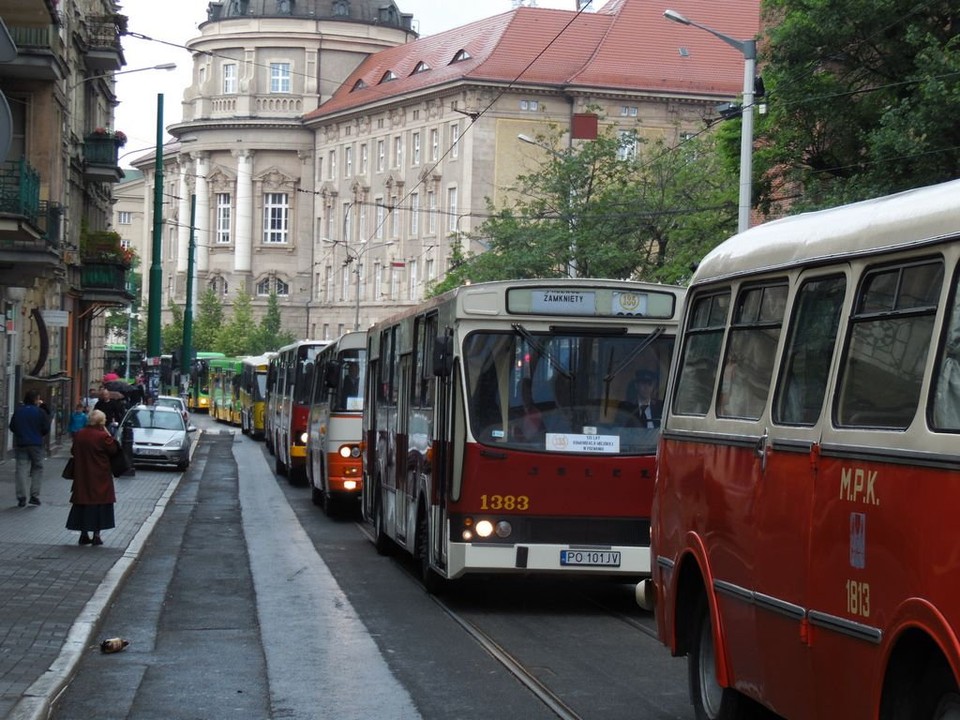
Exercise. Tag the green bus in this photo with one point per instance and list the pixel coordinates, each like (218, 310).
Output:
(225, 376)
(198, 397)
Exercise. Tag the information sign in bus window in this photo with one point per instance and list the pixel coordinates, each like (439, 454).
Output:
(590, 302)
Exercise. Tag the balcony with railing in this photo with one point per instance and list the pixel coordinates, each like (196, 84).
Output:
(105, 268)
(102, 50)
(39, 53)
(100, 151)
(29, 227)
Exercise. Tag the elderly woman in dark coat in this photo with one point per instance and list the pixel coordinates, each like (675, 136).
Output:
(93, 493)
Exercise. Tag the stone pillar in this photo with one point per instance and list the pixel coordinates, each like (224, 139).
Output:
(243, 247)
(183, 218)
(202, 231)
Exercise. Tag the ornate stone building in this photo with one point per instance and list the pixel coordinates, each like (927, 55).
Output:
(335, 157)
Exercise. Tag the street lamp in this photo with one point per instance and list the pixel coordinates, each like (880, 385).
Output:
(571, 194)
(749, 50)
(161, 66)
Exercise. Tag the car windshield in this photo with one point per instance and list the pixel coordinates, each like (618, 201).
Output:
(155, 420)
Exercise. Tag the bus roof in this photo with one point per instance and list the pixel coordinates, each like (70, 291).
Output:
(909, 218)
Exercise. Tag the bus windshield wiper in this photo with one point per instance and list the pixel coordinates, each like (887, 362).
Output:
(632, 355)
(541, 350)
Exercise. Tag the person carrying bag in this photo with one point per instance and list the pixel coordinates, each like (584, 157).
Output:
(93, 494)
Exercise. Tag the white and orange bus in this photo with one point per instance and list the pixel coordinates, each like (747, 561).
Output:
(334, 467)
(503, 432)
(289, 379)
(804, 525)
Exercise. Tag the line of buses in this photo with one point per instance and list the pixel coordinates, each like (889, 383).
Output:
(774, 450)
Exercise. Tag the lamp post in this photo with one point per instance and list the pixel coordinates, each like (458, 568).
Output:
(354, 256)
(748, 48)
(107, 76)
(571, 194)
(156, 267)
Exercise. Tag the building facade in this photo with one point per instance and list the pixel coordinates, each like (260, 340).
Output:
(60, 267)
(335, 159)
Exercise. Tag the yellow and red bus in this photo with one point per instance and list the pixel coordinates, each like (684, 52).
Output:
(502, 433)
(334, 467)
(289, 379)
(804, 536)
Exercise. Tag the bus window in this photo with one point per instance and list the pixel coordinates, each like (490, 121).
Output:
(701, 355)
(810, 349)
(565, 392)
(890, 335)
(748, 365)
(946, 400)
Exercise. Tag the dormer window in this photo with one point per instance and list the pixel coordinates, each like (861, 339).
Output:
(460, 56)
(421, 67)
(388, 76)
(359, 85)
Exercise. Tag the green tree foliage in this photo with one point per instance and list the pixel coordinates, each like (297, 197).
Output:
(863, 98)
(239, 336)
(171, 335)
(207, 323)
(270, 333)
(646, 214)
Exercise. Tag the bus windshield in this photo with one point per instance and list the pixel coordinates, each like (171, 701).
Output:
(260, 386)
(566, 391)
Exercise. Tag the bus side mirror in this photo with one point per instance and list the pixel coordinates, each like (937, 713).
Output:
(332, 378)
(443, 356)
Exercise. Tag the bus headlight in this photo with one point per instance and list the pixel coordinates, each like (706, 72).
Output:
(304, 437)
(504, 529)
(484, 528)
(349, 451)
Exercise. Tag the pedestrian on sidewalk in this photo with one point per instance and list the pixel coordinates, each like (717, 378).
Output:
(30, 424)
(78, 421)
(93, 494)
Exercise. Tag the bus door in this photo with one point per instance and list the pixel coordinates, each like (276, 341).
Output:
(405, 472)
(790, 456)
(868, 489)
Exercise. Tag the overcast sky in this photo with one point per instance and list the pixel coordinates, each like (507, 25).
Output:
(176, 21)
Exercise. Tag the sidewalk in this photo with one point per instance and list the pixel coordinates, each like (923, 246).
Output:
(53, 590)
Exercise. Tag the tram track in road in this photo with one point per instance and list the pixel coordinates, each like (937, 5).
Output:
(516, 668)
(510, 662)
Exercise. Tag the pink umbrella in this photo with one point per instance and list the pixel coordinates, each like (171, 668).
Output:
(110, 376)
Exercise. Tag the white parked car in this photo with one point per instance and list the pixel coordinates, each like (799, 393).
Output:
(160, 435)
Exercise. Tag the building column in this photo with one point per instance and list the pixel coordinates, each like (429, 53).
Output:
(183, 218)
(243, 238)
(202, 228)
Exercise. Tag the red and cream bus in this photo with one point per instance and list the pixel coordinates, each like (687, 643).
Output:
(805, 542)
(289, 379)
(504, 431)
(334, 467)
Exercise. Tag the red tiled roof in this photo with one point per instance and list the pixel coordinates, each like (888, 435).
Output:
(627, 45)
(643, 49)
